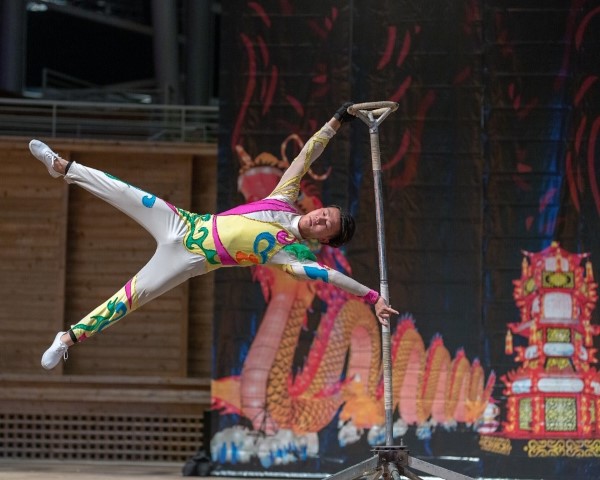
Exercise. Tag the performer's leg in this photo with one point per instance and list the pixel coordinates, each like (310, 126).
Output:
(158, 217)
(170, 266)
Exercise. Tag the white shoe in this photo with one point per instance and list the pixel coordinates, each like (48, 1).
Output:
(44, 154)
(57, 350)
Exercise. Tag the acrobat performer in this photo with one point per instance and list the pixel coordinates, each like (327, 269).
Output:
(269, 231)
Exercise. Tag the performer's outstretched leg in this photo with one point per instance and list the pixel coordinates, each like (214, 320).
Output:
(158, 217)
(171, 264)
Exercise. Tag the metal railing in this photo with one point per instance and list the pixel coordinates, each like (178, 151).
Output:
(67, 88)
(109, 121)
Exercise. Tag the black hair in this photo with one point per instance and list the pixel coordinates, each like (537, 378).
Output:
(347, 227)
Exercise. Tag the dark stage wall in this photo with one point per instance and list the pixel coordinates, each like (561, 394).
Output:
(492, 154)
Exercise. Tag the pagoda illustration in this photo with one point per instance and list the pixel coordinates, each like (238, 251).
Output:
(556, 391)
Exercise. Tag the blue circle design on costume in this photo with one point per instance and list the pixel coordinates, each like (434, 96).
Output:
(315, 273)
(270, 239)
(149, 200)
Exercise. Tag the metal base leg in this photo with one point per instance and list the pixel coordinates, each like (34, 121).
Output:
(392, 463)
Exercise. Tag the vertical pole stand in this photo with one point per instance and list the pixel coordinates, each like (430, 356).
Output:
(389, 461)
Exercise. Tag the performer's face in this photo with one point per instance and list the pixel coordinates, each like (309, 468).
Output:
(322, 224)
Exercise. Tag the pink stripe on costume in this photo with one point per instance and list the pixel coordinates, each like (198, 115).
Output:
(371, 297)
(223, 253)
(129, 293)
(172, 207)
(260, 205)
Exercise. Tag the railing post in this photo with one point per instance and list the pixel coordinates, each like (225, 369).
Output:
(54, 119)
(183, 123)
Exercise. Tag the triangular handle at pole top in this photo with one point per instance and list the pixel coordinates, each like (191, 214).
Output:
(374, 108)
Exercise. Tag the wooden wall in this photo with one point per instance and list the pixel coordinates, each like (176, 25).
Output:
(63, 252)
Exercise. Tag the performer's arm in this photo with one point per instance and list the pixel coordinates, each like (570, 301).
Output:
(309, 270)
(289, 185)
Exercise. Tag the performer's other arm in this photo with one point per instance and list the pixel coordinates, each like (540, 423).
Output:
(308, 270)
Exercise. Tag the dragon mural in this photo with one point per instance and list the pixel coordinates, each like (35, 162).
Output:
(341, 376)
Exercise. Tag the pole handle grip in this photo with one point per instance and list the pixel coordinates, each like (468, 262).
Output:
(377, 108)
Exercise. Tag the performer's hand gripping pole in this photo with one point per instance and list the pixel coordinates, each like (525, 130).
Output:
(373, 114)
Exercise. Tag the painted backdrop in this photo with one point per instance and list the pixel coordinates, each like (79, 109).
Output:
(492, 210)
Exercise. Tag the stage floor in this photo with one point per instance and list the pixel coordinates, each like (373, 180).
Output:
(44, 470)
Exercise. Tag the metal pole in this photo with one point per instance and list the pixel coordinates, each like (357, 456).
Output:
(382, 466)
(383, 285)
(373, 114)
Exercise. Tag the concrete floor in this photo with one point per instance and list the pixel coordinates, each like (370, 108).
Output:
(45, 470)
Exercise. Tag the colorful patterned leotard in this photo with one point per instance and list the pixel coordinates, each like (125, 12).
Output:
(189, 244)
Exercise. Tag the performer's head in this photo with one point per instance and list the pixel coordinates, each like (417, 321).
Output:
(330, 225)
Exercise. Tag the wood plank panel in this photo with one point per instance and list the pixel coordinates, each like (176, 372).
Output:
(201, 307)
(31, 219)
